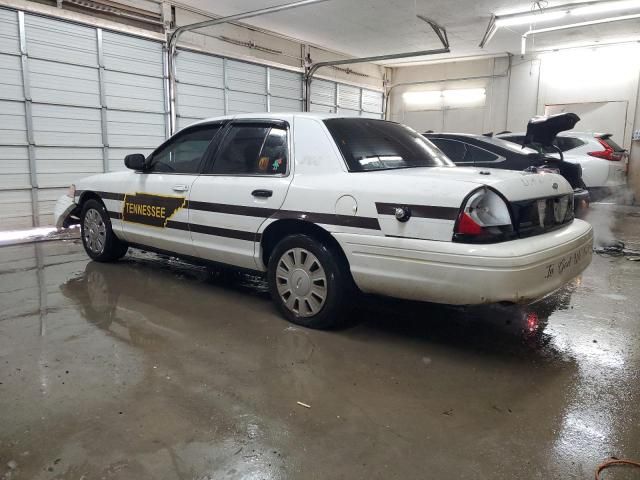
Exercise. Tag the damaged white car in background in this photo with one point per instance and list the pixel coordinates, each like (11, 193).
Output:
(324, 205)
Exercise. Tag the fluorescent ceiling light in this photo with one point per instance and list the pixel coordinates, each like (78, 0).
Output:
(529, 17)
(463, 96)
(431, 97)
(605, 7)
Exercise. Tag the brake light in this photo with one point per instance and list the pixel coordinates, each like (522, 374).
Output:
(483, 218)
(608, 153)
(466, 225)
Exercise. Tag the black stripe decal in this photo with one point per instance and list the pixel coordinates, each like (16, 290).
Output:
(313, 217)
(232, 209)
(110, 195)
(330, 219)
(218, 232)
(420, 211)
(117, 215)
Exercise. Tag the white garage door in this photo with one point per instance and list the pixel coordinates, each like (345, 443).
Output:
(73, 101)
(209, 86)
(333, 97)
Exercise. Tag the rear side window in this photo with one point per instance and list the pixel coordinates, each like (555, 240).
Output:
(252, 149)
(480, 155)
(453, 149)
(368, 144)
(568, 143)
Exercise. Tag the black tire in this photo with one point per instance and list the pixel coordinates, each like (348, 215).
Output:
(331, 312)
(94, 217)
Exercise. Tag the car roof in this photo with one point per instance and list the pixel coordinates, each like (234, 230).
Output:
(275, 116)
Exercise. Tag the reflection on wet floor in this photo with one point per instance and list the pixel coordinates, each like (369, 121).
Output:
(152, 368)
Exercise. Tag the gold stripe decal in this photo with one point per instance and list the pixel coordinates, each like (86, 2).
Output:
(151, 210)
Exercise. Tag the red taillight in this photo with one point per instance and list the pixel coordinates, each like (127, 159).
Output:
(466, 225)
(608, 153)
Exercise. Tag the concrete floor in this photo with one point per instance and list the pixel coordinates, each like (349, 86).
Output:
(152, 369)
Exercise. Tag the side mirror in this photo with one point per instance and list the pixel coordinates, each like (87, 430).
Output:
(135, 161)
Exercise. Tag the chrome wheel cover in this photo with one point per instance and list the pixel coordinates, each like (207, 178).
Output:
(301, 282)
(94, 231)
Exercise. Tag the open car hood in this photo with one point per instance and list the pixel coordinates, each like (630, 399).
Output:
(544, 129)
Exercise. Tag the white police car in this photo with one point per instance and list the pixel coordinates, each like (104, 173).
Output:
(324, 204)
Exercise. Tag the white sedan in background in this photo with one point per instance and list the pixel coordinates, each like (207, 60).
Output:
(603, 161)
(324, 204)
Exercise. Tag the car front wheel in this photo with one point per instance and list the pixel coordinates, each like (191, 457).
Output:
(99, 241)
(309, 282)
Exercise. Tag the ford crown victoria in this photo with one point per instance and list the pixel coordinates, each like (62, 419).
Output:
(324, 205)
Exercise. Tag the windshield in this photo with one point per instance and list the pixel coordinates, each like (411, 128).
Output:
(368, 144)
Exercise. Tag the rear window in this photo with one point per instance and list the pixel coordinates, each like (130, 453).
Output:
(368, 144)
(568, 143)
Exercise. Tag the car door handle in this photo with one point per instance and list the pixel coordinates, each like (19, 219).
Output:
(262, 193)
(180, 188)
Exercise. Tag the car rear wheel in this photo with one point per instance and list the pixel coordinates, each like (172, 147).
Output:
(98, 238)
(309, 282)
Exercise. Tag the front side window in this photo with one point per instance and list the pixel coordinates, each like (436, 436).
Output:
(252, 149)
(183, 154)
(368, 144)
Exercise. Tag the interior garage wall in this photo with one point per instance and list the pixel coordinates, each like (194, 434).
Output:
(571, 76)
(491, 116)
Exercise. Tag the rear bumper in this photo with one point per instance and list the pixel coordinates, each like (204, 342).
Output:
(62, 212)
(464, 274)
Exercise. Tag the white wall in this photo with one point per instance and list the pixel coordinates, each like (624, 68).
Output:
(576, 76)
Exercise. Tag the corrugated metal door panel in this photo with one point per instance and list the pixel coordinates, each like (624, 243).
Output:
(242, 102)
(322, 108)
(11, 78)
(14, 168)
(246, 77)
(129, 54)
(285, 84)
(59, 166)
(372, 101)
(116, 156)
(348, 112)
(199, 102)
(13, 127)
(15, 209)
(125, 91)
(370, 115)
(199, 69)
(135, 129)
(285, 105)
(323, 92)
(66, 126)
(9, 35)
(61, 41)
(185, 122)
(349, 97)
(47, 199)
(60, 83)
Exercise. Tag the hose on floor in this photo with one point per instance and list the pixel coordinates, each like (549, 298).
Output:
(614, 461)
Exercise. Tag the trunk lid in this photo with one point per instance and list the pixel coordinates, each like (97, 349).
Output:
(434, 196)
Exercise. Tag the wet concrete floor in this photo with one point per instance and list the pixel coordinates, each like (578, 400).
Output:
(149, 368)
